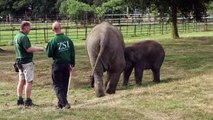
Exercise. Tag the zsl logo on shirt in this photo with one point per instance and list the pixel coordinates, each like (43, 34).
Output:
(63, 46)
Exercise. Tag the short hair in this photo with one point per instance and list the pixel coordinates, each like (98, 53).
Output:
(24, 24)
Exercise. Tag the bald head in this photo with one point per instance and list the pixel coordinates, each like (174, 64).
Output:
(56, 27)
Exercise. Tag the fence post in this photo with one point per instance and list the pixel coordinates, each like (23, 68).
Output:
(127, 28)
(154, 28)
(205, 26)
(66, 31)
(36, 34)
(77, 31)
(162, 25)
(85, 32)
(135, 30)
(45, 35)
(0, 34)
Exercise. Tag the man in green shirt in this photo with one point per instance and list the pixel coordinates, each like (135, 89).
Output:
(61, 49)
(24, 57)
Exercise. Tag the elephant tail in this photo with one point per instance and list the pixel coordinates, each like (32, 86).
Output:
(103, 43)
(102, 47)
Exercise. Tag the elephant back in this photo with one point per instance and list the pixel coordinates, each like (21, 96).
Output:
(106, 41)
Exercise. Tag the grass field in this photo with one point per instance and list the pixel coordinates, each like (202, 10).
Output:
(185, 92)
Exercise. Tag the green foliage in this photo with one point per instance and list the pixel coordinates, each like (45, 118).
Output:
(6, 7)
(98, 2)
(17, 5)
(44, 7)
(74, 9)
(111, 6)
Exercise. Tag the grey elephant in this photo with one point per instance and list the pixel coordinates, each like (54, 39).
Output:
(105, 47)
(143, 55)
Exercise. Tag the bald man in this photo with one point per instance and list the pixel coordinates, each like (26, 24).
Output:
(61, 49)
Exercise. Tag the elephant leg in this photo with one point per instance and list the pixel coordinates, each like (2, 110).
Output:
(98, 75)
(113, 81)
(92, 81)
(156, 75)
(126, 76)
(107, 79)
(138, 75)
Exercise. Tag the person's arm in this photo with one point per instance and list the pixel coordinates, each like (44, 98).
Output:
(35, 49)
(27, 45)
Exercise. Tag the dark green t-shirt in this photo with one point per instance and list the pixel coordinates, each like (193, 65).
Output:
(61, 49)
(22, 43)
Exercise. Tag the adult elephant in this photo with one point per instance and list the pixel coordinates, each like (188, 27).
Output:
(105, 48)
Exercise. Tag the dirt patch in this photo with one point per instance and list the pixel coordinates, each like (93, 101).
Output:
(6, 51)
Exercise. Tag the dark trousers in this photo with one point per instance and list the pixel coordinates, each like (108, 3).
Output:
(60, 77)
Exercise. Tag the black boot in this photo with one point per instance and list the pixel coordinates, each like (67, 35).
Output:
(67, 106)
(28, 102)
(20, 101)
(59, 105)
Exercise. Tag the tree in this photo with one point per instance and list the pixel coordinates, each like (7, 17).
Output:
(81, 9)
(196, 8)
(98, 2)
(44, 8)
(111, 6)
(28, 8)
(76, 10)
(14, 7)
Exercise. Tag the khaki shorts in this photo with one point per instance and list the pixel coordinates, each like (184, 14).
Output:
(28, 72)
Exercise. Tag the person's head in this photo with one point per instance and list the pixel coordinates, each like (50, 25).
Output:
(25, 26)
(56, 27)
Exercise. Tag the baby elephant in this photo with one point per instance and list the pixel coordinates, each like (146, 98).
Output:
(143, 55)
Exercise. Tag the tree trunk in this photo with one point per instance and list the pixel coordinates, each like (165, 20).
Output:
(174, 22)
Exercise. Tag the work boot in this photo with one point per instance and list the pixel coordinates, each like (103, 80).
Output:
(67, 106)
(20, 101)
(59, 106)
(28, 102)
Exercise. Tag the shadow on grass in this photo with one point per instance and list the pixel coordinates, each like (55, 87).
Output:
(148, 83)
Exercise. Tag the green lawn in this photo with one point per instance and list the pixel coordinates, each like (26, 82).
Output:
(184, 93)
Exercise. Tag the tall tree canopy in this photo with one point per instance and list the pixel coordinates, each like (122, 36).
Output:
(14, 7)
(28, 8)
(76, 9)
(196, 8)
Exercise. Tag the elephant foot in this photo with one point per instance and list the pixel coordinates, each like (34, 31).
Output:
(125, 84)
(109, 91)
(100, 94)
(156, 81)
(138, 84)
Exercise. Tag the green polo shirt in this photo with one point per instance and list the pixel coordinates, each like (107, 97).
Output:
(61, 49)
(22, 43)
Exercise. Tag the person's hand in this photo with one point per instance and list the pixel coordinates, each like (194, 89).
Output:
(42, 49)
(72, 70)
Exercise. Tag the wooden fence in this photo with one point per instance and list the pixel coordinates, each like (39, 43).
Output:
(42, 32)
